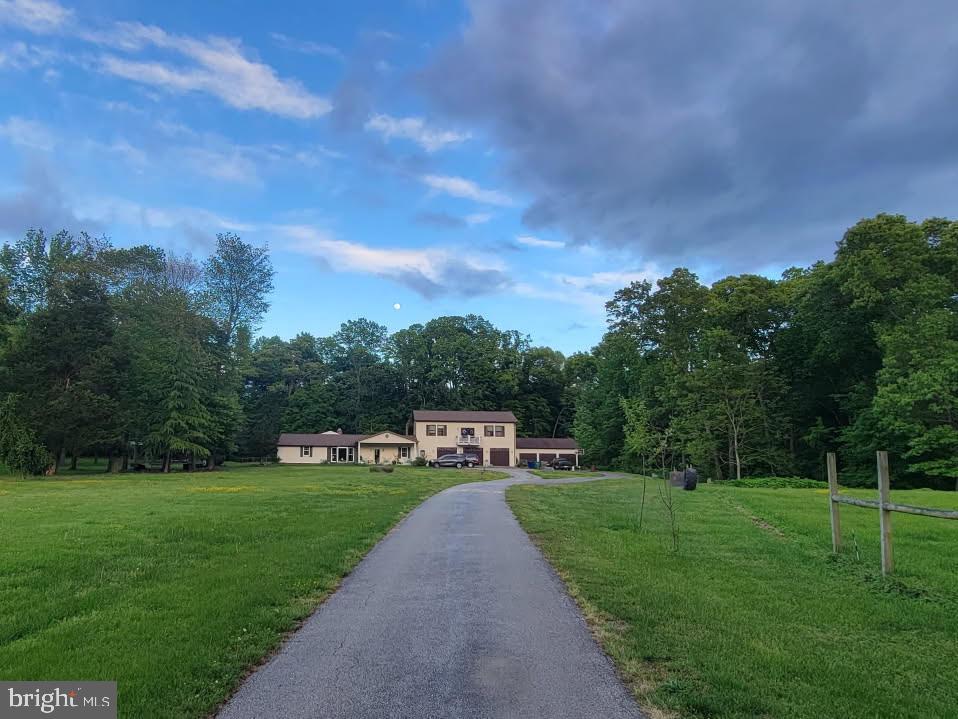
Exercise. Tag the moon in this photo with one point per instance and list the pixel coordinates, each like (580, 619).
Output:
(397, 306)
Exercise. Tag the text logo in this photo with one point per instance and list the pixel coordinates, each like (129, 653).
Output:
(61, 700)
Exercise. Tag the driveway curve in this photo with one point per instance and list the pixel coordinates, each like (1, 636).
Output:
(455, 613)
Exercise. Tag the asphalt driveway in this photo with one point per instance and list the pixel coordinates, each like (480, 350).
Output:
(454, 614)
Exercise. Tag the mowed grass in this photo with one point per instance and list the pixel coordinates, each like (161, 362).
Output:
(753, 616)
(560, 474)
(175, 585)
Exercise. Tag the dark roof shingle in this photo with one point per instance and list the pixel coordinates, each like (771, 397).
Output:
(295, 439)
(546, 443)
(443, 415)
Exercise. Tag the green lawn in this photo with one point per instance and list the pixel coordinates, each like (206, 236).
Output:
(557, 474)
(175, 585)
(753, 616)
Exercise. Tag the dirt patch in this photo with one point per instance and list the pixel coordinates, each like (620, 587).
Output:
(759, 522)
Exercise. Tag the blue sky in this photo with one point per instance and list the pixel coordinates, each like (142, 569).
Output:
(519, 160)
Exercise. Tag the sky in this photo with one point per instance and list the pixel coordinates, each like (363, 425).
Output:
(518, 159)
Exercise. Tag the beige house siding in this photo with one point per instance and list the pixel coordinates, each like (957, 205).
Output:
(389, 445)
(388, 453)
(428, 445)
(290, 455)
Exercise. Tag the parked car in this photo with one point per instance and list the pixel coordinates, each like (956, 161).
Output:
(455, 460)
(563, 464)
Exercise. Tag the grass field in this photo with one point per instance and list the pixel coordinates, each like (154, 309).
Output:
(557, 474)
(174, 585)
(753, 616)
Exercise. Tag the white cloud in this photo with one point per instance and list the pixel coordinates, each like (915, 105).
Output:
(478, 218)
(27, 133)
(606, 281)
(430, 271)
(530, 241)
(39, 16)
(228, 165)
(136, 214)
(592, 302)
(20, 56)
(415, 129)
(219, 67)
(466, 189)
(307, 47)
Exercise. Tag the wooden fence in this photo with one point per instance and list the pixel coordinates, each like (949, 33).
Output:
(883, 504)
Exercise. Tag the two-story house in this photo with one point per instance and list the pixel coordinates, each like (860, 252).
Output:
(490, 436)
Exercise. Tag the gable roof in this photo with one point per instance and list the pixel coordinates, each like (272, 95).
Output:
(391, 434)
(295, 439)
(546, 443)
(443, 415)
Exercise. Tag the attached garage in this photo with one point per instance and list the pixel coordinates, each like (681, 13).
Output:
(499, 457)
(546, 449)
(477, 451)
(445, 450)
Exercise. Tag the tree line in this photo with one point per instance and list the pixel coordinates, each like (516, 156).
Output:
(140, 355)
(143, 357)
(755, 376)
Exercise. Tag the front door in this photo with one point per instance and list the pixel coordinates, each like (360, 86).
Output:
(376, 456)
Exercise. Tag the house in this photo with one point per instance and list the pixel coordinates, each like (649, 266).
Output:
(339, 448)
(490, 436)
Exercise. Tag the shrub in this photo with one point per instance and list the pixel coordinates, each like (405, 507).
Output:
(387, 468)
(19, 448)
(775, 483)
(419, 462)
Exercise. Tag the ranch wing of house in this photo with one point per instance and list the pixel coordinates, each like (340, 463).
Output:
(489, 436)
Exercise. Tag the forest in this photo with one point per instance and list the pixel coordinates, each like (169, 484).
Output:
(140, 355)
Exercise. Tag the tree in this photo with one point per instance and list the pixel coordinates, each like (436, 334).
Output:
(61, 367)
(239, 278)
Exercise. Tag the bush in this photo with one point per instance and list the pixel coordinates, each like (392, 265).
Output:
(419, 462)
(19, 448)
(775, 483)
(387, 468)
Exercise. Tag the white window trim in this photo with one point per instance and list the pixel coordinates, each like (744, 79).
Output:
(305, 451)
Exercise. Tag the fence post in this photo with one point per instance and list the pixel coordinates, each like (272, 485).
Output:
(884, 497)
(833, 505)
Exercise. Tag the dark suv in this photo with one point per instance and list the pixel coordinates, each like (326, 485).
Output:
(455, 460)
(562, 464)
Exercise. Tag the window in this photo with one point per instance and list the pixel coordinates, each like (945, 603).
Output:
(342, 454)
(430, 430)
(422, 453)
(489, 430)
(500, 430)
(305, 451)
(404, 452)
(441, 430)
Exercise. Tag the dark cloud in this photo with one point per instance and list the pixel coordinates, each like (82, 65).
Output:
(450, 277)
(735, 133)
(40, 203)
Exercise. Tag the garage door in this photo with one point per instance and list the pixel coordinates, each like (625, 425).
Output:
(570, 457)
(499, 457)
(546, 457)
(445, 450)
(476, 451)
(526, 456)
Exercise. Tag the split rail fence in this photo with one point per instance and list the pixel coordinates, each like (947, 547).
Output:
(883, 504)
